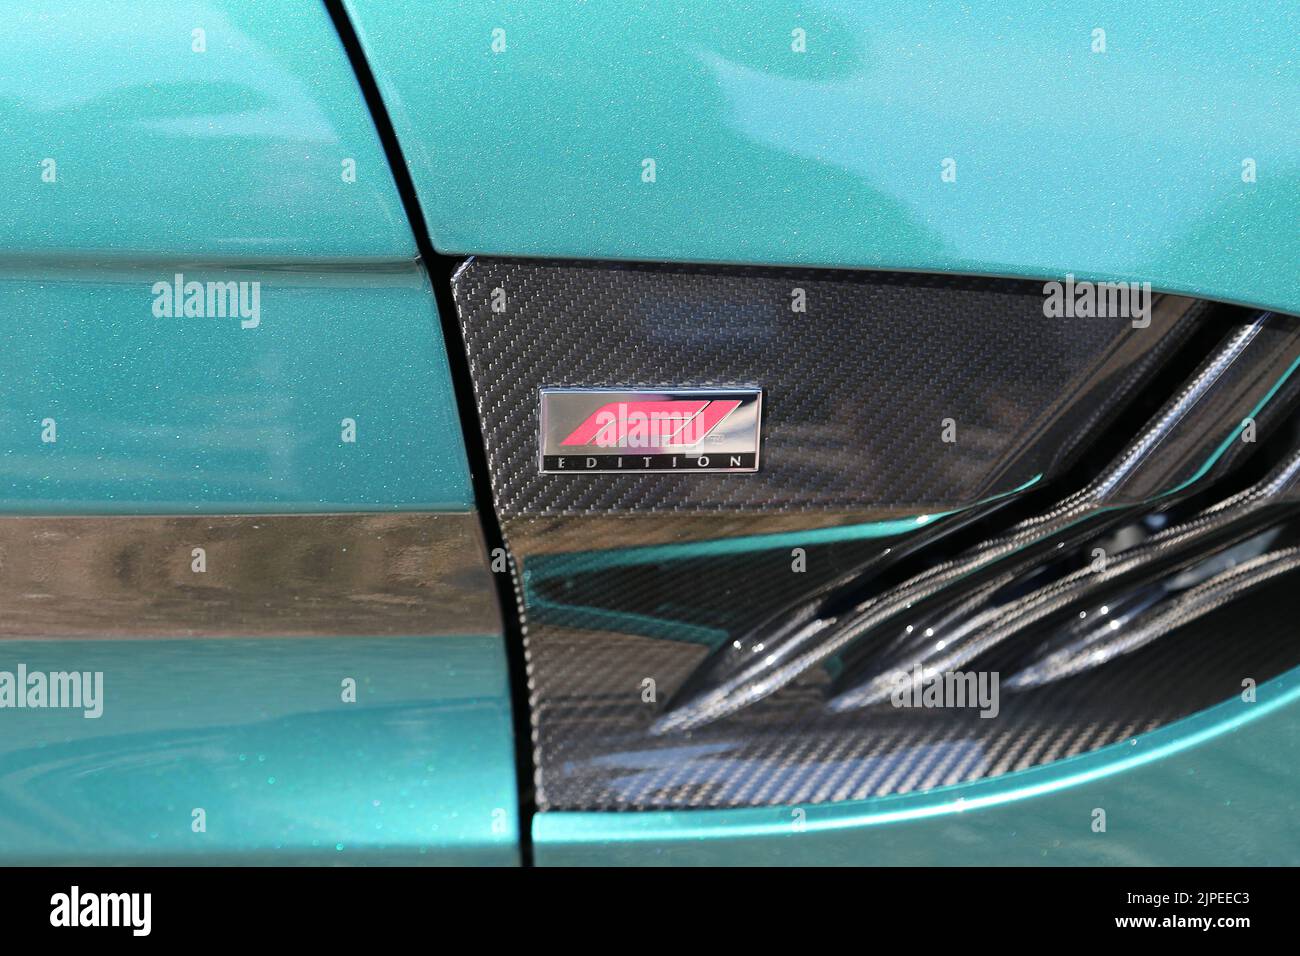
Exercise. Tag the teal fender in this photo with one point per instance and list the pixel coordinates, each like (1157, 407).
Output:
(1115, 142)
(1128, 164)
(243, 751)
(228, 143)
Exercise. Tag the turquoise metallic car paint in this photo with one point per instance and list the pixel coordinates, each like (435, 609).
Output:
(198, 414)
(1122, 165)
(230, 164)
(236, 151)
(1215, 788)
(420, 769)
(225, 164)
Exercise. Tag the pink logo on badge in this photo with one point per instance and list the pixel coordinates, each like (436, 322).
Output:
(665, 423)
(643, 430)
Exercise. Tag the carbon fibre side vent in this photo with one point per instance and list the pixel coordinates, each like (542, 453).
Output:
(952, 482)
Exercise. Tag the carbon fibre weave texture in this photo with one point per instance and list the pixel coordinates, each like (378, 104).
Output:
(855, 391)
(857, 388)
(597, 755)
(591, 718)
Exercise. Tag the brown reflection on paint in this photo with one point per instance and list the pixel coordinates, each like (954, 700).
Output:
(267, 575)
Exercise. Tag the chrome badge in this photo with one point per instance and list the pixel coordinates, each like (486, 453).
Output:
(610, 429)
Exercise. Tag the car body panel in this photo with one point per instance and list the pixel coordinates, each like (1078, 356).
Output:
(527, 131)
(257, 735)
(123, 424)
(235, 151)
(834, 157)
(232, 162)
(1212, 789)
(200, 414)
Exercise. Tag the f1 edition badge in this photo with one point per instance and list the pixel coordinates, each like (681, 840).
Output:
(606, 429)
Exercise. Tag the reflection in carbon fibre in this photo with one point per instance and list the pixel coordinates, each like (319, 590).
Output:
(1189, 438)
(630, 583)
(1164, 556)
(789, 750)
(1105, 644)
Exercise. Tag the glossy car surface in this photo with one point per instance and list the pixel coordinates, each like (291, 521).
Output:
(324, 705)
